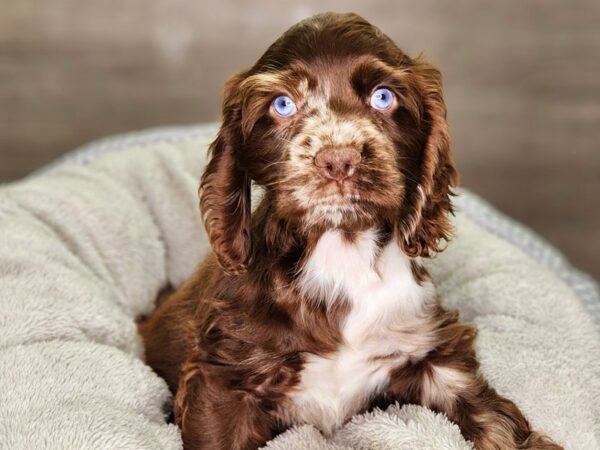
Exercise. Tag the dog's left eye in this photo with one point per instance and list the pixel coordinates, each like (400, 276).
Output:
(284, 106)
(382, 99)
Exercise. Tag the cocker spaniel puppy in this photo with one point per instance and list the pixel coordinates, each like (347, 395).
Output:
(313, 307)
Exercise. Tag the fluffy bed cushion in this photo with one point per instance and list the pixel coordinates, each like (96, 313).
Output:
(86, 249)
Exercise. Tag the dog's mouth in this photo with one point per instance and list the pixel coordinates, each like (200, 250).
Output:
(336, 197)
(337, 191)
(349, 203)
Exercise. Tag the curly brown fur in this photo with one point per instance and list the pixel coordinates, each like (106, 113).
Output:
(315, 294)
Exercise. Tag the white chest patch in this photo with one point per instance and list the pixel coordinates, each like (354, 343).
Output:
(383, 329)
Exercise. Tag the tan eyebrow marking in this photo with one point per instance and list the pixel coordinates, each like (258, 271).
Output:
(258, 89)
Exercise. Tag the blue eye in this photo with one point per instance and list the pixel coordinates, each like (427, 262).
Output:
(382, 99)
(284, 106)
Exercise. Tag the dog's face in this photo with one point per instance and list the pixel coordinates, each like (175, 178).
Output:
(330, 140)
(342, 130)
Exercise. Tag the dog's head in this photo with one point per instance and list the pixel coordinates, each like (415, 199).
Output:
(342, 130)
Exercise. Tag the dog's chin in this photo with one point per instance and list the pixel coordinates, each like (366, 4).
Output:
(340, 206)
(337, 211)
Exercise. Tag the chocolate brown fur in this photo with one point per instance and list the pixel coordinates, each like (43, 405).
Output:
(233, 341)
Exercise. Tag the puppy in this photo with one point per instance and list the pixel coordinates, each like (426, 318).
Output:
(313, 308)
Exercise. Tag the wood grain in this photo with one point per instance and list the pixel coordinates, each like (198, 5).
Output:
(522, 85)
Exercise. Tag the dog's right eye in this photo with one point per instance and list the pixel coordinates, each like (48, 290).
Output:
(382, 99)
(284, 106)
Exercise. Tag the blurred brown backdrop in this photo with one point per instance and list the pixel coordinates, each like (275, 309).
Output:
(522, 86)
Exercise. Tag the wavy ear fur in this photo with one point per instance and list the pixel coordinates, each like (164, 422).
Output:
(427, 221)
(225, 189)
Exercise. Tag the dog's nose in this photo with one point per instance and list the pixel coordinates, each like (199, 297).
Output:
(337, 163)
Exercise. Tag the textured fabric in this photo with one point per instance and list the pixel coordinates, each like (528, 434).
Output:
(85, 248)
(470, 204)
(519, 235)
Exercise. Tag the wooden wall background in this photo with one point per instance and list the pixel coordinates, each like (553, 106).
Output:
(522, 85)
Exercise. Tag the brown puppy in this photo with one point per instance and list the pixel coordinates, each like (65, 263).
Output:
(313, 308)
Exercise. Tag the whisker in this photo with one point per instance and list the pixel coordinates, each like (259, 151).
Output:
(273, 163)
(295, 144)
(274, 183)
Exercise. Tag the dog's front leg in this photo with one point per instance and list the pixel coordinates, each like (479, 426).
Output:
(216, 412)
(448, 380)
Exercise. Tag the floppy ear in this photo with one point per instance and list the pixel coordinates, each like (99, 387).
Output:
(225, 189)
(428, 206)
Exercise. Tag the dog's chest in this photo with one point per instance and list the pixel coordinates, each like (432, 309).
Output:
(380, 332)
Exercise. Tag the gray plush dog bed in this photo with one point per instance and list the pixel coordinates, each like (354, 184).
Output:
(87, 243)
